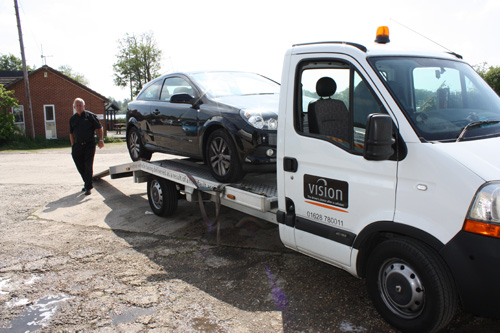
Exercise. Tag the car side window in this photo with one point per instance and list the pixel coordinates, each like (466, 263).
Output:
(152, 92)
(333, 102)
(174, 86)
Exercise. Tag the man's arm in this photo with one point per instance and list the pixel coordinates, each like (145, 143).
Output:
(71, 139)
(100, 134)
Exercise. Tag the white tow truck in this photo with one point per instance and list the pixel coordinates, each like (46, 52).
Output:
(388, 167)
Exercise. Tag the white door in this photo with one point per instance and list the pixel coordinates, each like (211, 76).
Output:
(50, 122)
(18, 113)
(330, 188)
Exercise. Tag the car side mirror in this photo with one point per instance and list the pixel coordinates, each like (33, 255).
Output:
(182, 99)
(378, 137)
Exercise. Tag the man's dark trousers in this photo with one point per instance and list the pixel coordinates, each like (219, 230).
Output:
(83, 155)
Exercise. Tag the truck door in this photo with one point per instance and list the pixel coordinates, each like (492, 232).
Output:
(331, 190)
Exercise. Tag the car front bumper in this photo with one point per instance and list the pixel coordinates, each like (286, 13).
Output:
(259, 150)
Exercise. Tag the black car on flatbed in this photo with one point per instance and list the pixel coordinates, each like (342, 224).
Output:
(227, 119)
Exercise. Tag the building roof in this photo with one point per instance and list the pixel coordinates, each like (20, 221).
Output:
(112, 106)
(7, 77)
(65, 77)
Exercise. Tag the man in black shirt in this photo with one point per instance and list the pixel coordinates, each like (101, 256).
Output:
(82, 126)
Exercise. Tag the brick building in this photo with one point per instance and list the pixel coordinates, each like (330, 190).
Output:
(52, 95)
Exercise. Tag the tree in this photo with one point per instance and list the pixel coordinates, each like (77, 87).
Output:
(492, 77)
(7, 127)
(11, 63)
(138, 62)
(68, 71)
(490, 74)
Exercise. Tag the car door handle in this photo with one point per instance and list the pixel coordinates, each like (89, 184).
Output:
(290, 164)
(156, 112)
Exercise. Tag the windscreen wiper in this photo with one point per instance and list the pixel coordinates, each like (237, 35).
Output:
(474, 124)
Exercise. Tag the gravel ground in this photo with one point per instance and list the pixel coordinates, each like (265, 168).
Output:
(60, 276)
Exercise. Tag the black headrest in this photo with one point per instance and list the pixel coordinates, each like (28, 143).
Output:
(326, 87)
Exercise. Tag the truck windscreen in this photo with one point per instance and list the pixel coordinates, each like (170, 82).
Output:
(440, 98)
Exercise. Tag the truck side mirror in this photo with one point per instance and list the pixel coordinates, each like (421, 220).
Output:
(378, 137)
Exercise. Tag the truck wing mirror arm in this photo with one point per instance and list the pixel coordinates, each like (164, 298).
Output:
(378, 137)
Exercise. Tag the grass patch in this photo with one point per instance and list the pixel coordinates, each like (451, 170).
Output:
(21, 142)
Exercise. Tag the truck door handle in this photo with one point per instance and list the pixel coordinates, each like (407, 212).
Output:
(290, 164)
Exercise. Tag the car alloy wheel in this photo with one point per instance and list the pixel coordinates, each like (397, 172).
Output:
(222, 157)
(135, 147)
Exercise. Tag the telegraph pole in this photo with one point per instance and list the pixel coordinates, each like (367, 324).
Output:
(25, 70)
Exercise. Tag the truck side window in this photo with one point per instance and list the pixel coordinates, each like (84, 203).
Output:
(333, 102)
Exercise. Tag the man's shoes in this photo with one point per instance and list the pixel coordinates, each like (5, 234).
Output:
(87, 192)
(83, 189)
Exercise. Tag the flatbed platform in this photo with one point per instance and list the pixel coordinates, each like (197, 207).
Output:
(255, 194)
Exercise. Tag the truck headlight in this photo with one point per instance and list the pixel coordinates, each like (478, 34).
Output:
(259, 121)
(484, 214)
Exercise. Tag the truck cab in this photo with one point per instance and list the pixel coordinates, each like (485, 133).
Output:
(388, 167)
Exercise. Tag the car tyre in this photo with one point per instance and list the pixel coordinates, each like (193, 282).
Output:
(411, 286)
(222, 157)
(162, 196)
(135, 147)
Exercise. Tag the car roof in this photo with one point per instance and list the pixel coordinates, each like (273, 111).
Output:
(190, 73)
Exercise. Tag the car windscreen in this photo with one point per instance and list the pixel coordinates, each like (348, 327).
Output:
(444, 100)
(219, 84)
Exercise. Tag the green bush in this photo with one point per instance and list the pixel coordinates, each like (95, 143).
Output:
(7, 127)
(7, 102)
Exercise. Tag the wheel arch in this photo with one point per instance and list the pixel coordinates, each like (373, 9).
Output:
(375, 233)
(214, 125)
(132, 122)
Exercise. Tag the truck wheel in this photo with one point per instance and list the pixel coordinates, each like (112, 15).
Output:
(411, 286)
(135, 147)
(222, 157)
(162, 196)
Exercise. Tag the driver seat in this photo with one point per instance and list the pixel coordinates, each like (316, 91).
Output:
(328, 116)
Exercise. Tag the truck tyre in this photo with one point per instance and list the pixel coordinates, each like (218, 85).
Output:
(162, 196)
(222, 157)
(411, 286)
(135, 147)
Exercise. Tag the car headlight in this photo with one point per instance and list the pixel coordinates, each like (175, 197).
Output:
(484, 214)
(257, 120)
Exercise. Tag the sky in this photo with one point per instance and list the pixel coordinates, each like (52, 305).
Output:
(236, 35)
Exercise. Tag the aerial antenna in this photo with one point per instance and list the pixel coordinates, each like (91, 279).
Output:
(418, 33)
(44, 58)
